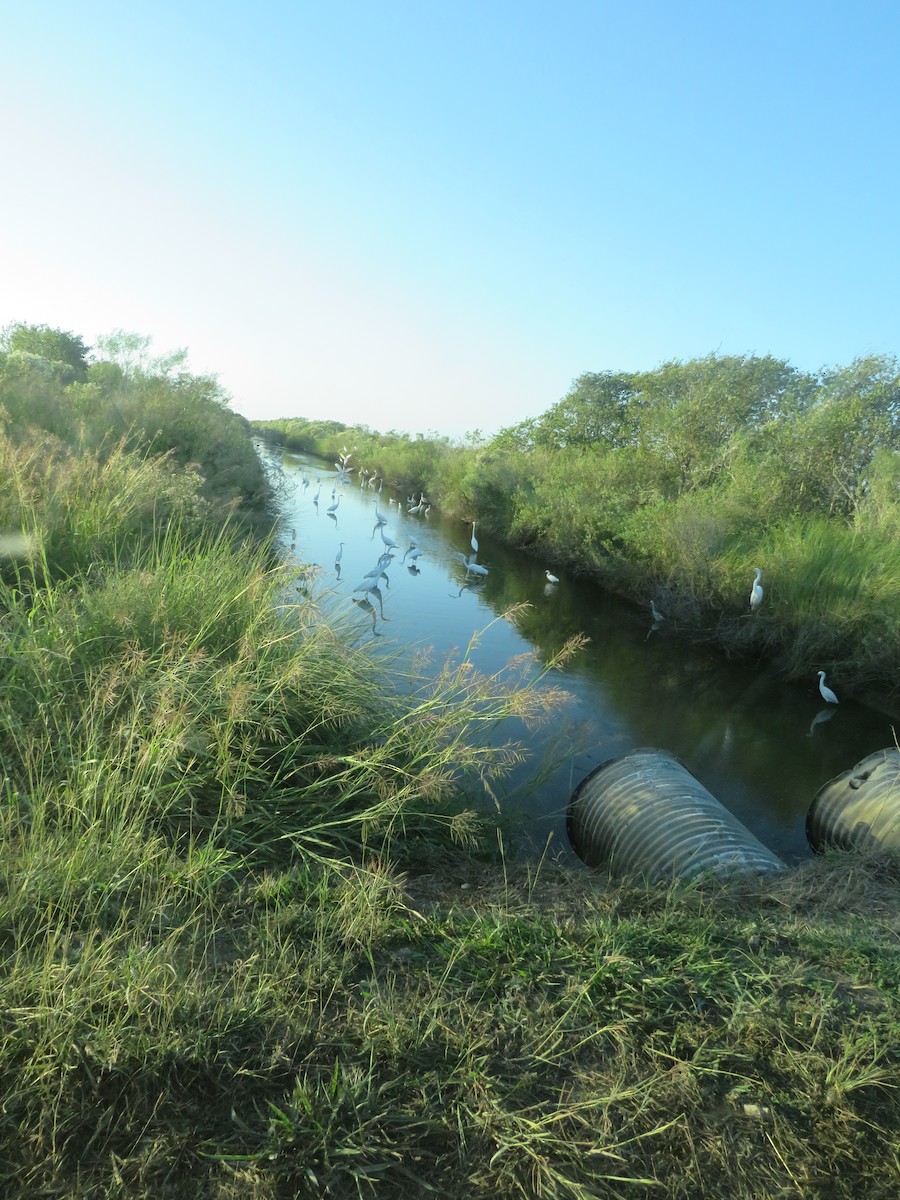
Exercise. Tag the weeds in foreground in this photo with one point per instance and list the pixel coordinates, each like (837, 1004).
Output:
(343, 1029)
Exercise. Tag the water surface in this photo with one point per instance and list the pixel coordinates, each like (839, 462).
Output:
(763, 747)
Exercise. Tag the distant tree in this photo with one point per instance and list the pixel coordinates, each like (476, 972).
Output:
(131, 353)
(55, 346)
(691, 412)
(597, 411)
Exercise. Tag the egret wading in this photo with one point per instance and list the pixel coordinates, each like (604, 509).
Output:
(756, 592)
(657, 615)
(551, 578)
(827, 694)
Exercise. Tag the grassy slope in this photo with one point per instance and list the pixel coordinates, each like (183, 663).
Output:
(203, 1029)
(194, 1004)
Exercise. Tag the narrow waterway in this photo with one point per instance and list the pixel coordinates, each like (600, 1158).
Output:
(763, 747)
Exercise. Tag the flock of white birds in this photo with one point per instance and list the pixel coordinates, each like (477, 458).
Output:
(368, 588)
(367, 593)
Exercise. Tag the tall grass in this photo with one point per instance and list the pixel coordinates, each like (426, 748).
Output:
(254, 942)
(832, 598)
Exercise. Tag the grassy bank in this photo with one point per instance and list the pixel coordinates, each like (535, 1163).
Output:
(674, 484)
(259, 938)
(184, 1023)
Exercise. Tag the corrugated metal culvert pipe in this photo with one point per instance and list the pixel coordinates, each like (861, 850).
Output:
(859, 810)
(644, 812)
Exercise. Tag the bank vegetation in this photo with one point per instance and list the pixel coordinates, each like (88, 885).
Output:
(673, 484)
(259, 935)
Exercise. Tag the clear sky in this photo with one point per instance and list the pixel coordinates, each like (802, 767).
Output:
(435, 214)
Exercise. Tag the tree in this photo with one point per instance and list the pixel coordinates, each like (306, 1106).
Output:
(56, 346)
(692, 413)
(131, 353)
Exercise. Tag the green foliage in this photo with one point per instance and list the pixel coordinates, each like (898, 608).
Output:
(64, 353)
(142, 405)
(679, 480)
(218, 981)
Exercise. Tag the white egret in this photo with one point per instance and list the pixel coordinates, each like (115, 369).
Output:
(388, 540)
(474, 542)
(332, 508)
(475, 568)
(756, 592)
(551, 578)
(827, 694)
(379, 515)
(657, 615)
(339, 555)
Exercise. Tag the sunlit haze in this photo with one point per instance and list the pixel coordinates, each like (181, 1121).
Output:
(434, 216)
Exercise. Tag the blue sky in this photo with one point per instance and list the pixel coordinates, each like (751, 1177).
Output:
(434, 216)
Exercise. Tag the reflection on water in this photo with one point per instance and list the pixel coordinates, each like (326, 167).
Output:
(754, 741)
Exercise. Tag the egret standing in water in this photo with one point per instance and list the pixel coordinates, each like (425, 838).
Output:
(756, 592)
(657, 615)
(827, 694)
(474, 542)
(337, 557)
(551, 578)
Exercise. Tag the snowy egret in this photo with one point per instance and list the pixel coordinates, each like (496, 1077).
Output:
(756, 592)
(551, 578)
(827, 694)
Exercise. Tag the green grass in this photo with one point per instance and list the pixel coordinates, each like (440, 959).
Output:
(258, 938)
(336, 1029)
(831, 602)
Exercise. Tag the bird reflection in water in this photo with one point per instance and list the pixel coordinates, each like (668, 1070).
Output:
(367, 607)
(820, 718)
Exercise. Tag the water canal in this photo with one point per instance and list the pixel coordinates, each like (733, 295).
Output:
(763, 747)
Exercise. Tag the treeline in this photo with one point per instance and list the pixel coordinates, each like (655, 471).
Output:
(79, 425)
(674, 484)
